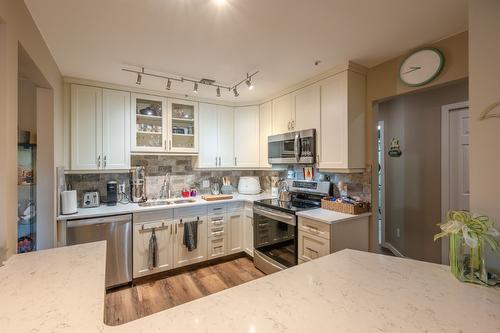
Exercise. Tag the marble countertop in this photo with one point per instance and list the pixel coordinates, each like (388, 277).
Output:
(62, 290)
(329, 216)
(104, 210)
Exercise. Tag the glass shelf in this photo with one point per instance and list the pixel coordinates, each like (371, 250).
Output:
(183, 125)
(149, 122)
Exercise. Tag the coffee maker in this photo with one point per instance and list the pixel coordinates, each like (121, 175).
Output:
(112, 193)
(137, 185)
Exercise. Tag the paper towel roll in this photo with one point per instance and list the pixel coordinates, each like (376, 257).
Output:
(68, 202)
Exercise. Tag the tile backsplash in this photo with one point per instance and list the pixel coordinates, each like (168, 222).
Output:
(182, 174)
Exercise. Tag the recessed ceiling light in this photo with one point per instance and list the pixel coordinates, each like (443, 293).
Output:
(220, 2)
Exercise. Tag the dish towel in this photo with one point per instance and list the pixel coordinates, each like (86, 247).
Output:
(153, 251)
(190, 239)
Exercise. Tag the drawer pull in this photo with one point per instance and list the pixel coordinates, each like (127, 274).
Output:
(217, 247)
(308, 248)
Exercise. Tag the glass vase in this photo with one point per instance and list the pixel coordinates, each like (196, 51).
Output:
(466, 263)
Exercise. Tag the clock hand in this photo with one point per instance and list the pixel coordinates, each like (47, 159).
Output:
(412, 69)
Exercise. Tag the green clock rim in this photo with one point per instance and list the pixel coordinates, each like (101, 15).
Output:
(440, 68)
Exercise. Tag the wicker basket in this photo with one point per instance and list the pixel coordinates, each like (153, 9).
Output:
(345, 207)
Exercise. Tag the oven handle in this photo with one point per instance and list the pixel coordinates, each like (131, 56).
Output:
(288, 219)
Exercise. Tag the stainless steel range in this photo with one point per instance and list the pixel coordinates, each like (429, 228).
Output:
(275, 224)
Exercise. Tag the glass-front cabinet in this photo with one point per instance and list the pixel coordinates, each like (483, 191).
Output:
(164, 127)
(183, 117)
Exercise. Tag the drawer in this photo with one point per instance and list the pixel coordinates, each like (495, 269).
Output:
(312, 246)
(216, 231)
(314, 227)
(157, 215)
(235, 206)
(218, 208)
(216, 247)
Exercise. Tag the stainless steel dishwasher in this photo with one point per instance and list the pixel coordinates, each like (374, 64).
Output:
(117, 231)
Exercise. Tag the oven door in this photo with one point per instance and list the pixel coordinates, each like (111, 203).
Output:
(292, 148)
(275, 239)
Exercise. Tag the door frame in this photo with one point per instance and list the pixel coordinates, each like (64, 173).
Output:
(381, 199)
(445, 168)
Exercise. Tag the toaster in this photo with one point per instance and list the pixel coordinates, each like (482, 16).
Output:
(249, 185)
(91, 199)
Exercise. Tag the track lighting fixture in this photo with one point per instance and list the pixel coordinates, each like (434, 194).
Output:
(207, 82)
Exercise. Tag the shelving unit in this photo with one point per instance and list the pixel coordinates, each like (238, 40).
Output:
(183, 117)
(26, 198)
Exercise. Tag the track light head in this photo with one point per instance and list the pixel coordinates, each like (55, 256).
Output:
(169, 84)
(139, 79)
(235, 91)
(248, 81)
(218, 91)
(195, 89)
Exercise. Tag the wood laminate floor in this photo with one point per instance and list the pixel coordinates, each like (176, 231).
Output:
(138, 301)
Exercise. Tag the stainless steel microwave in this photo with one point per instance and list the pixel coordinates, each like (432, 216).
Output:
(292, 148)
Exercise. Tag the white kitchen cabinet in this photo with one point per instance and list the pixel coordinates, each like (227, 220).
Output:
(115, 129)
(306, 103)
(265, 130)
(343, 122)
(164, 236)
(216, 140)
(182, 256)
(248, 230)
(86, 127)
(216, 247)
(312, 246)
(182, 123)
(149, 123)
(235, 222)
(283, 115)
(246, 138)
(100, 128)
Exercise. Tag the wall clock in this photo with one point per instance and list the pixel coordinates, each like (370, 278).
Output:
(421, 67)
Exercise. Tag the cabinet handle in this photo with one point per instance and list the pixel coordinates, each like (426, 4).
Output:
(176, 228)
(105, 162)
(169, 144)
(235, 161)
(308, 248)
(99, 161)
(219, 161)
(171, 229)
(289, 125)
(293, 124)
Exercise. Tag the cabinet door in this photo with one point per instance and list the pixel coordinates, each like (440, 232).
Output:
(265, 130)
(164, 238)
(312, 246)
(246, 140)
(208, 153)
(334, 124)
(183, 126)
(116, 129)
(225, 126)
(182, 256)
(216, 247)
(86, 127)
(248, 232)
(307, 112)
(282, 114)
(235, 222)
(149, 123)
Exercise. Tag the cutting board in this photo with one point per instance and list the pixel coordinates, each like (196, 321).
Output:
(212, 197)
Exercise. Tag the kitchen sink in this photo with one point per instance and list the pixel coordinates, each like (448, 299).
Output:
(155, 203)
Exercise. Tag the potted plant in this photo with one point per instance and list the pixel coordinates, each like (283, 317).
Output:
(468, 234)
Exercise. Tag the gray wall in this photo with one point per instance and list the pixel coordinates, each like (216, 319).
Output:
(413, 180)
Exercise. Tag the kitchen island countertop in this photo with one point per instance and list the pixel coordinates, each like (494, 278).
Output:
(62, 290)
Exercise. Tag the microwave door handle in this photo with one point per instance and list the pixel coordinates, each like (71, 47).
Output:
(297, 146)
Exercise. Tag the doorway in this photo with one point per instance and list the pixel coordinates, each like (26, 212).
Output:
(454, 163)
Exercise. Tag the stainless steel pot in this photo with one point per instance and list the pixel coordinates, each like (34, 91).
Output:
(284, 193)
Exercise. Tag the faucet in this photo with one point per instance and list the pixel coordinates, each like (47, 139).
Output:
(163, 191)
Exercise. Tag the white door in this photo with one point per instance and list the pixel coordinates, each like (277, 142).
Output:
(307, 108)
(183, 126)
(248, 231)
(282, 114)
(459, 160)
(149, 123)
(235, 223)
(225, 126)
(142, 236)
(86, 127)
(265, 130)
(182, 256)
(116, 129)
(246, 140)
(208, 152)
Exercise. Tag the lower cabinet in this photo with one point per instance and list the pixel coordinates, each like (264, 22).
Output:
(235, 239)
(248, 230)
(182, 256)
(312, 246)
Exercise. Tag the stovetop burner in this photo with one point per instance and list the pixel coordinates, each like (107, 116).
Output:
(290, 206)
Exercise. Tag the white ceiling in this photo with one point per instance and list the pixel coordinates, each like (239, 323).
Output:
(94, 39)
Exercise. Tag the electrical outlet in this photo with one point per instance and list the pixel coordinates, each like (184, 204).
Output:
(397, 232)
(205, 184)
(121, 188)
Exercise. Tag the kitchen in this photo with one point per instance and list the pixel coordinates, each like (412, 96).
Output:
(238, 193)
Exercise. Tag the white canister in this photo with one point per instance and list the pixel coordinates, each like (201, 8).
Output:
(68, 202)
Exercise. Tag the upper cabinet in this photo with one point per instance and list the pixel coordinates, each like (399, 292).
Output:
(183, 130)
(100, 128)
(283, 117)
(216, 136)
(306, 107)
(149, 123)
(265, 130)
(343, 121)
(246, 138)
